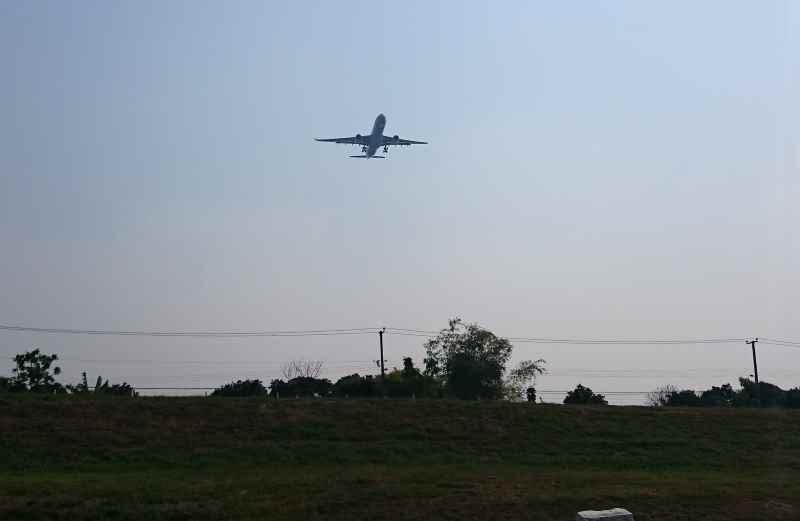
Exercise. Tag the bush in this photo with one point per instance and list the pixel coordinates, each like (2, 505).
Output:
(302, 386)
(241, 388)
(765, 395)
(584, 395)
(101, 387)
(792, 398)
(356, 385)
(718, 397)
(685, 398)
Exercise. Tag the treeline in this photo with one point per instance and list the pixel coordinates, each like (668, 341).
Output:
(398, 383)
(748, 395)
(34, 373)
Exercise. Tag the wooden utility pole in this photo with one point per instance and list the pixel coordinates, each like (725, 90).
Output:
(380, 336)
(755, 368)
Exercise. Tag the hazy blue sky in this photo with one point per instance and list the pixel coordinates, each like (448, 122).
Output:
(609, 171)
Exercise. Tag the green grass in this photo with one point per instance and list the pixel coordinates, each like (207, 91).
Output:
(203, 458)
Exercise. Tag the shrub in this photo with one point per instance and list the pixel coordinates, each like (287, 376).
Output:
(584, 395)
(685, 398)
(301, 386)
(356, 385)
(241, 388)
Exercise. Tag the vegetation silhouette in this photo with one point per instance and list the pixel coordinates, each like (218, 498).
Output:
(584, 396)
(33, 373)
(749, 395)
(470, 363)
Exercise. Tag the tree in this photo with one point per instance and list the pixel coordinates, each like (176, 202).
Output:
(33, 373)
(241, 388)
(301, 368)
(469, 360)
(517, 385)
(660, 396)
(584, 395)
(765, 395)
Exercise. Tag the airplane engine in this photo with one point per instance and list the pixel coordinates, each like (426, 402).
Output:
(358, 137)
(396, 139)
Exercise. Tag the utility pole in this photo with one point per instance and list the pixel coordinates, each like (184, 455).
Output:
(755, 367)
(383, 371)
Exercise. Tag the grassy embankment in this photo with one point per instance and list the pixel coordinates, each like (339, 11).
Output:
(201, 458)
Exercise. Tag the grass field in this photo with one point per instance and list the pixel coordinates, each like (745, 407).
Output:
(202, 458)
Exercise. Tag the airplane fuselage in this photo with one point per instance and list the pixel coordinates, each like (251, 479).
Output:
(375, 139)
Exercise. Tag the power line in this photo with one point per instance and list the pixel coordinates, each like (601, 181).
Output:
(782, 343)
(193, 334)
(391, 330)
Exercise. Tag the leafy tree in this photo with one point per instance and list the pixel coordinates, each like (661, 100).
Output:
(517, 384)
(765, 395)
(469, 360)
(241, 388)
(584, 395)
(32, 373)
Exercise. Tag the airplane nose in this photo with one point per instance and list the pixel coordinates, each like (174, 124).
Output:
(381, 117)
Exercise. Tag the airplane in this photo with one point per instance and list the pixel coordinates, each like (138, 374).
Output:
(375, 140)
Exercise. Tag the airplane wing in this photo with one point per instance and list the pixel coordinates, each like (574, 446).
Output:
(388, 140)
(353, 140)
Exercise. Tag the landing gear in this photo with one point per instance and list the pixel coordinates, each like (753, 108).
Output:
(364, 149)
(385, 149)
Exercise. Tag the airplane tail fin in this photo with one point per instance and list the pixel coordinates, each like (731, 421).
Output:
(365, 157)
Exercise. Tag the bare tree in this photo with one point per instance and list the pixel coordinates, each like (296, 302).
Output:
(660, 397)
(301, 369)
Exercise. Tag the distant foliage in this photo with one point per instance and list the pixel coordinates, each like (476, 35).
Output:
(749, 395)
(32, 373)
(723, 396)
(241, 388)
(469, 361)
(584, 395)
(301, 387)
(685, 398)
(409, 382)
(10, 385)
(660, 396)
(518, 384)
(101, 387)
(356, 385)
